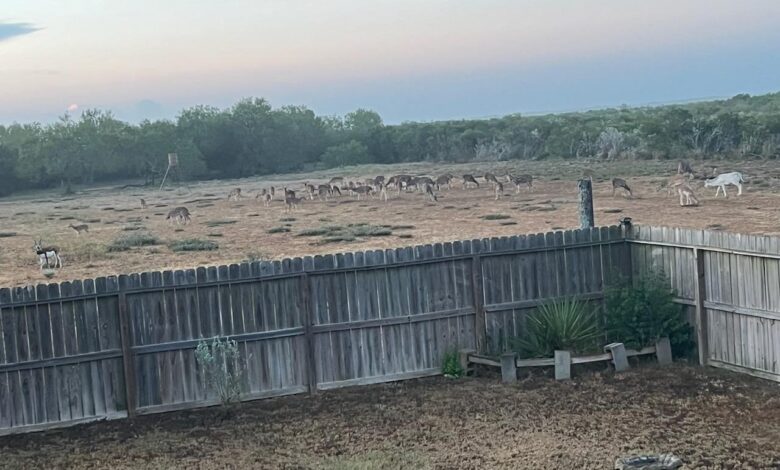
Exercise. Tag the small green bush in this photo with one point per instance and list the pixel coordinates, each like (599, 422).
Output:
(127, 241)
(278, 230)
(639, 314)
(217, 223)
(312, 232)
(564, 325)
(193, 244)
(496, 217)
(222, 368)
(450, 366)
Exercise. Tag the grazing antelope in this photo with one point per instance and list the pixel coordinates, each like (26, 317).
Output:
(335, 190)
(428, 188)
(469, 179)
(721, 181)
(686, 193)
(143, 203)
(323, 191)
(367, 190)
(336, 181)
(267, 199)
(620, 183)
(499, 187)
(523, 180)
(179, 215)
(234, 194)
(48, 256)
(444, 180)
(685, 168)
(379, 180)
(422, 181)
(288, 193)
(79, 228)
(490, 178)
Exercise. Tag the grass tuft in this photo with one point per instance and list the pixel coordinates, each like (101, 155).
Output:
(125, 242)
(193, 244)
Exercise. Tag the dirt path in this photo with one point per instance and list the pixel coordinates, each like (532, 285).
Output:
(709, 418)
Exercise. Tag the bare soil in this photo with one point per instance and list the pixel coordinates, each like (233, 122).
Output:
(708, 417)
(245, 229)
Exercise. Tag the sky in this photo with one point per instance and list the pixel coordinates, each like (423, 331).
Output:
(409, 60)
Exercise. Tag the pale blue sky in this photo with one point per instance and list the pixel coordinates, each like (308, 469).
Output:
(407, 59)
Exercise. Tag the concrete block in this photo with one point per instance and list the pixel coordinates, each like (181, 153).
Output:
(663, 351)
(562, 365)
(619, 358)
(509, 368)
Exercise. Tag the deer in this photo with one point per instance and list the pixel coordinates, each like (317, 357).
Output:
(323, 191)
(673, 183)
(48, 256)
(490, 178)
(428, 189)
(266, 198)
(234, 194)
(336, 181)
(291, 202)
(684, 168)
(469, 179)
(273, 192)
(499, 188)
(444, 180)
(686, 193)
(382, 191)
(310, 190)
(288, 193)
(143, 203)
(521, 180)
(367, 190)
(422, 181)
(79, 228)
(721, 181)
(179, 215)
(620, 183)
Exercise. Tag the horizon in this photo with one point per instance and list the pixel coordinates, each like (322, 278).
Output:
(448, 61)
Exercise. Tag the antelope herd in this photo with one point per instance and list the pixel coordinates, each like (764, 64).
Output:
(682, 183)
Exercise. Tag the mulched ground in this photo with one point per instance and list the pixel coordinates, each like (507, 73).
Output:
(709, 418)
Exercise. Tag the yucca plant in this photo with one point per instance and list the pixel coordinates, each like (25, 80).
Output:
(567, 324)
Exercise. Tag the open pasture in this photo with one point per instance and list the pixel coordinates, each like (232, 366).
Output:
(123, 237)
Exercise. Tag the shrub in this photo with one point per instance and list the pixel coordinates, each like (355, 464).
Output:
(639, 314)
(133, 240)
(278, 230)
(221, 367)
(450, 365)
(495, 217)
(193, 244)
(566, 325)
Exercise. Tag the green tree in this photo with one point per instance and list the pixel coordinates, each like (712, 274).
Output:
(350, 153)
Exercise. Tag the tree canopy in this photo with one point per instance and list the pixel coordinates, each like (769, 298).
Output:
(252, 138)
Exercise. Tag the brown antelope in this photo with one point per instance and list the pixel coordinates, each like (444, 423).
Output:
(48, 256)
(490, 178)
(673, 183)
(686, 193)
(291, 202)
(234, 194)
(382, 191)
(620, 183)
(444, 180)
(79, 228)
(499, 190)
(523, 180)
(469, 179)
(428, 189)
(421, 181)
(323, 191)
(336, 181)
(310, 190)
(179, 215)
(143, 203)
(367, 190)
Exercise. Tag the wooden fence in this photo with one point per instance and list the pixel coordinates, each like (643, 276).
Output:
(730, 286)
(119, 346)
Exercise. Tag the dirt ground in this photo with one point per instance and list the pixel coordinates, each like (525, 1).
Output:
(708, 417)
(241, 229)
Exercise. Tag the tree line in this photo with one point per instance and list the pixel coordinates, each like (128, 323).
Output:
(253, 138)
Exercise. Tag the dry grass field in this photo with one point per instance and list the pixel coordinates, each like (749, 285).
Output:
(711, 419)
(248, 230)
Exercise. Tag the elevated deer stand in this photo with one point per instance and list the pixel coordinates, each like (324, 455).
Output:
(173, 164)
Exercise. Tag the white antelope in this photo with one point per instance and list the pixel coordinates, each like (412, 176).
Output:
(721, 181)
(48, 256)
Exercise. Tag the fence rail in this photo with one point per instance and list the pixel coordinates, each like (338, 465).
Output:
(119, 346)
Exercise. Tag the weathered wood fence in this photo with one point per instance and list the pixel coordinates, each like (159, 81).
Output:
(119, 346)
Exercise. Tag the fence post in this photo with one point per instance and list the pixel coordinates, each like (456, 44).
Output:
(702, 338)
(586, 203)
(308, 329)
(128, 363)
(479, 302)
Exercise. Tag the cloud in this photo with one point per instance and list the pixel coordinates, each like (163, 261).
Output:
(11, 30)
